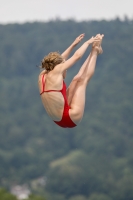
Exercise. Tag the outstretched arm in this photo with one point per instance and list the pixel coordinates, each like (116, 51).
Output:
(77, 55)
(67, 52)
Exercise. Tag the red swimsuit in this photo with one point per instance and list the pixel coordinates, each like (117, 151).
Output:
(66, 121)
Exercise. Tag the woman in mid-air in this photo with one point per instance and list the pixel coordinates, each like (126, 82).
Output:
(64, 105)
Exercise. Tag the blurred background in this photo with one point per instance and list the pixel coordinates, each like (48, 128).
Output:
(38, 159)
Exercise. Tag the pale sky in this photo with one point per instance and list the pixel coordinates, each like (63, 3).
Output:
(21, 11)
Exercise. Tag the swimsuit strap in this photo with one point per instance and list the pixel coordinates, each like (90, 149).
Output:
(43, 87)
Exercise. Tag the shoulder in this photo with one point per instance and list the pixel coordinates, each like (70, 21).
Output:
(42, 72)
(57, 71)
(68, 63)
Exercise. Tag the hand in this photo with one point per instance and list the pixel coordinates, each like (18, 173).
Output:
(78, 39)
(94, 39)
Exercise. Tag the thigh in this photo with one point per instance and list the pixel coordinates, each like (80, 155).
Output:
(78, 102)
(71, 89)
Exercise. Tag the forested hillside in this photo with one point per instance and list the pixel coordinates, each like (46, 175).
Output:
(93, 161)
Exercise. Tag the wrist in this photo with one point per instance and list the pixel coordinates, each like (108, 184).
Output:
(73, 45)
(87, 43)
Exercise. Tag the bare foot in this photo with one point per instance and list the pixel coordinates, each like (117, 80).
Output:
(98, 49)
(97, 45)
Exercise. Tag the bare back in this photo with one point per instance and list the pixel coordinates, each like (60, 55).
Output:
(53, 101)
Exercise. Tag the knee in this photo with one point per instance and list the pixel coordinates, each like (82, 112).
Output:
(90, 74)
(78, 78)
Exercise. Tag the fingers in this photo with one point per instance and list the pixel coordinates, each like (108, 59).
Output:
(96, 38)
(99, 36)
(81, 36)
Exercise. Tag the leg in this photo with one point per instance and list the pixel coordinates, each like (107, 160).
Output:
(78, 100)
(87, 69)
(90, 69)
(72, 86)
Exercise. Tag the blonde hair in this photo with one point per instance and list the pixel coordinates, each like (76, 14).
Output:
(51, 60)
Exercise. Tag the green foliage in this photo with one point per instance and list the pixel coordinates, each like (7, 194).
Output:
(94, 161)
(99, 197)
(35, 197)
(4, 195)
(78, 197)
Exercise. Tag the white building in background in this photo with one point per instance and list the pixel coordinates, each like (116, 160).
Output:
(21, 192)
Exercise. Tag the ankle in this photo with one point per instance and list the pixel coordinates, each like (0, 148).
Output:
(97, 49)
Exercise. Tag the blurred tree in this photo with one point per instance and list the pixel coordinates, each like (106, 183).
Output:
(99, 197)
(4, 195)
